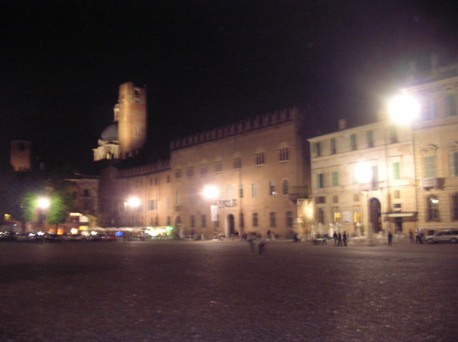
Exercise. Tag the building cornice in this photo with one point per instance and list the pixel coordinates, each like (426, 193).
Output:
(260, 122)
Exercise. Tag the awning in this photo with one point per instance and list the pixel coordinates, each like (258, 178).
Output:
(401, 214)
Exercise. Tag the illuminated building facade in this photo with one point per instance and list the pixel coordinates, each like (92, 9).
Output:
(412, 170)
(385, 200)
(85, 196)
(258, 168)
(436, 148)
(127, 134)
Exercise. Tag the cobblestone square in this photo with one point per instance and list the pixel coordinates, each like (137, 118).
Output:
(219, 291)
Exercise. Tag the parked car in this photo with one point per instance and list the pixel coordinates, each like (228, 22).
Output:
(53, 238)
(7, 236)
(443, 236)
(320, 239)
(73, 237)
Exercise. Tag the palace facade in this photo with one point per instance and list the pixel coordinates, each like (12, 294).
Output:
(246, 177)
(391, 177)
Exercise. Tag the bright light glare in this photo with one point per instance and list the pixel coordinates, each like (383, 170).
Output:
(43, 203)
(363, 173)
(403, 109)
(210, 192)
(133, 202)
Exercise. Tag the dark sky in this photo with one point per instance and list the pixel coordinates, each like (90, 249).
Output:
(205, 63)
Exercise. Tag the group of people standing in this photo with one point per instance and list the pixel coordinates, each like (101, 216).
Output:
(340, 239)
(253, 239)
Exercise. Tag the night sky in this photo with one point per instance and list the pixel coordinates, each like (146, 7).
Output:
(205, 63)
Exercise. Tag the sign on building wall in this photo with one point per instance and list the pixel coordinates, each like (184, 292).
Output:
(227, 203)
(346, 217)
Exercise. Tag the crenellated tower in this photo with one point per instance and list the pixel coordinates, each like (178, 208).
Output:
(130, 112)
(20, 157)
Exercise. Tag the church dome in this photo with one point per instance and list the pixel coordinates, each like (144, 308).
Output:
(110, 133)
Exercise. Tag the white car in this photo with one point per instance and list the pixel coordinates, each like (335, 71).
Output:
(443, 236)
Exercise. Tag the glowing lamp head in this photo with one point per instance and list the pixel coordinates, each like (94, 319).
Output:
(210, 192)
(43, 203)
(403, 109)
(363, 173)
(133, 202)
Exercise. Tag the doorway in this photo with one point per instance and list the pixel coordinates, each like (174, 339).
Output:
(375, 217)
(230, 225)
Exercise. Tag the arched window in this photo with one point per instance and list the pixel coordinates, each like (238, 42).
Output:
(320, 215)
(285, 187)
(453, 159)
(432, 208)
(429, 161)
(455, 207)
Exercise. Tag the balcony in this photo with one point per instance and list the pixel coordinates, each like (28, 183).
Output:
(297, 193)
(432, 183)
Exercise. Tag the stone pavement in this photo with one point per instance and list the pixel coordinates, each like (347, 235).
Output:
(218, 291)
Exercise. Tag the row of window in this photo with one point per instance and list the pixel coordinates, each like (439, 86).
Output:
(432, 210)
(260, 159)
(429, 112)
(204, 221)
(356, 198)
(429, 165)
(255, 220)
(332, 179)
(230, 193)
(431, 107)
(337, 215)
(317, 147)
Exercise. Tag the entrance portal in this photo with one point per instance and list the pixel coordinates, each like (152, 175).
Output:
(230, 225)
(375, 218)
(179, 227)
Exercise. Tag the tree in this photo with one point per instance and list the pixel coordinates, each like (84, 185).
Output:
(58, 209)
(60, 198)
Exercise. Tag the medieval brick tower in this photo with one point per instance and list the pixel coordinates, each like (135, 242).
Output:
(20, 157)
(130, 112)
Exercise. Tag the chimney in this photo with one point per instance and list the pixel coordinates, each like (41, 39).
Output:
(342, 124)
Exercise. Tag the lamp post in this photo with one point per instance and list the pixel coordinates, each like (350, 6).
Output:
(403, 110)
(133, 203)
(364, 177)
(43, 204)
(211, 193)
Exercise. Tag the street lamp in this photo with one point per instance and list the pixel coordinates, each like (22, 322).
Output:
(134, 203)
(43, 204)
(211, 193)
(364, 177)
(403, 109)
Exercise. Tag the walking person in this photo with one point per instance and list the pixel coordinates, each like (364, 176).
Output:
(334, 236)
(390, 238)
(418, 236)
(261, 245)
(339, 239)
(344, 238)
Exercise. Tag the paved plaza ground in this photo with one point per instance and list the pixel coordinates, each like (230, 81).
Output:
(219, 291)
